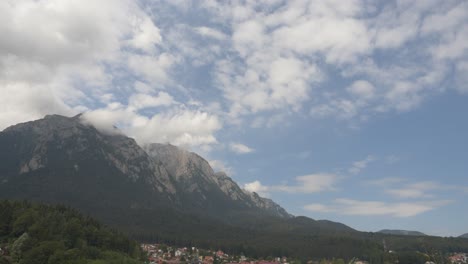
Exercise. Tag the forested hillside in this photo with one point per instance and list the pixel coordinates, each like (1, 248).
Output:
(41, 234)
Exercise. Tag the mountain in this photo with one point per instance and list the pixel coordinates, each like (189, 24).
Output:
(464, 236)
(401, 232)
(161, 193)
(200, 187)
(64, 159)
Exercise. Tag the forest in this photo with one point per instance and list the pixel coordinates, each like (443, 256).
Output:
(32, 233)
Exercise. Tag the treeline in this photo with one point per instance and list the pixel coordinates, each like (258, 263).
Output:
(32, 233)
(279, 239)
(35, 233)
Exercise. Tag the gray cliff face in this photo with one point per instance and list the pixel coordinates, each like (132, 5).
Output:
(267, 204)
(194, 175)
(72, 139)
(180, 163)
(72, 152)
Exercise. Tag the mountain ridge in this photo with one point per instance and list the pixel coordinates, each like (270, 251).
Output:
(63, 160)
(175, 175)
(401, 232)
(196, 175)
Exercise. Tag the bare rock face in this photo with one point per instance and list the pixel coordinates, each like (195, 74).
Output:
(64, 145)
(179, 162)
(69, 151)
(194, 174)
(267, 204)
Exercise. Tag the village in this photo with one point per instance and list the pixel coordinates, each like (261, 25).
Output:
(459, 258)
(163, 254)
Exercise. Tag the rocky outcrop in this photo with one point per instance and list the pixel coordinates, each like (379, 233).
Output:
(72, 147)
(193, 174)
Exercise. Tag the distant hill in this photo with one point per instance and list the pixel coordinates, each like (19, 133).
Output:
(401, 232)
(464, 235)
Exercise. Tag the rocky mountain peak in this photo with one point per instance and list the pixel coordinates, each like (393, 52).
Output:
(38, 142)
(195, 175)
(179, 162)
(73, 146)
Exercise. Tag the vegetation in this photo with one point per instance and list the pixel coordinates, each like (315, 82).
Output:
(34, 233)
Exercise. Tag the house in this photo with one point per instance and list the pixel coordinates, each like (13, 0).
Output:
(458, 258)
(208, 259)
(242, 258)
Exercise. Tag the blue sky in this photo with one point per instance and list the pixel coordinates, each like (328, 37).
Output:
(353, 111)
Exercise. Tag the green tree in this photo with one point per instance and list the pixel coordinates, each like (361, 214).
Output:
(18, 247)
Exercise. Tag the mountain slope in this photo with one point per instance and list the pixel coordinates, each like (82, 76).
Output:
(164, 193)
(62, 159)
(37, 233)
(401, 232)
(201, 187)
(464, 236)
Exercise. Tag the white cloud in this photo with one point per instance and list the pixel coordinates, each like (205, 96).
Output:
(376, 208)
(310, 184)
(22, 102)
(219, 165)
(265, 59)
(181, 127)
(146, 35)
(257, 187)
(415, 190)
(240, 148)
(316, 207)
(360, 165)
(211, 32)
(141, 101)
(152, 68)
(340, 108)
(61, 57)
(385, 182)
(362, 88)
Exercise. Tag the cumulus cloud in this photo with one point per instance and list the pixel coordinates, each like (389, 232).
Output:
(404, 188)
(240, 148)
(152, 68)
(259, 61)
(415, 190)
(56, 55)
(257, 187)
(219, 165)
(211, 33)
(141, 101)
(376, 208)
(362, 89)
(347, 38)
(312, 183)
(182, 127)
(146, 34)
(360, 165)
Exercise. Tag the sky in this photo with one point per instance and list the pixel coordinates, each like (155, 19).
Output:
(353, 111)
